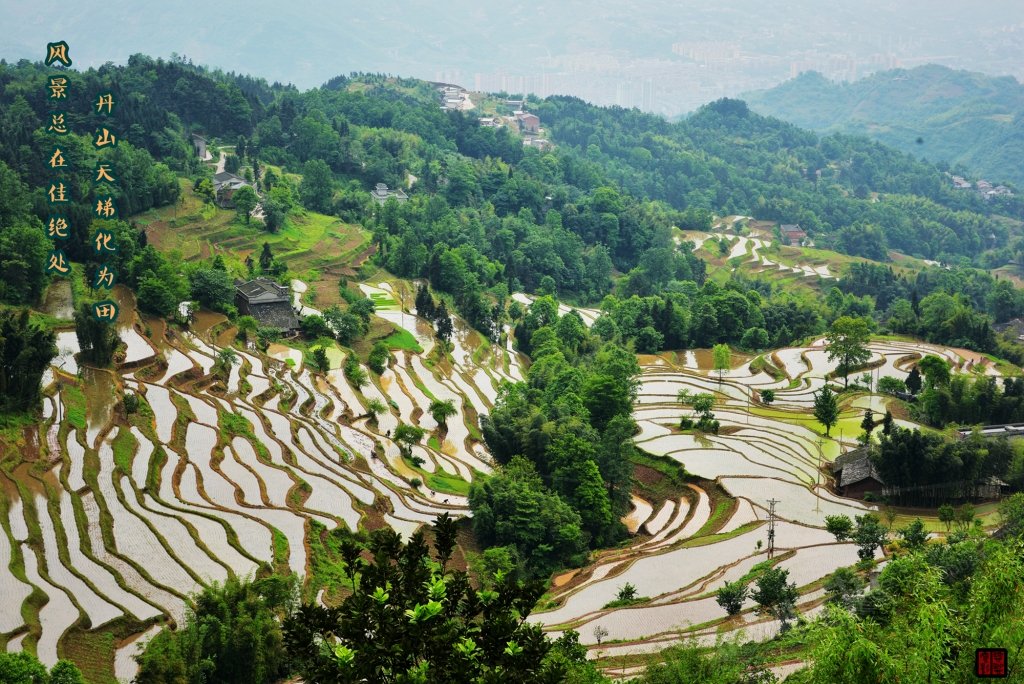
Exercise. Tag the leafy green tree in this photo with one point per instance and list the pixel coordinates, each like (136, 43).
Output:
(1011, 515)
(354, 372)
(843, 587)
(346, 326)
(890, 385)
(410, 619)
(317, 187)
(442, 410)
(964, 517)
(826, 408)
(226, 358)
(213, 288)
(406, 435)
(376, 407)
(775, 596)
(443, 323)
(156, 296)
(731, 596)
(767, 397)
(232, 635)
(97, 339)
(204, 189)
(615, 460)
(869, 535)
(935, 370)
(379, 357)
(847, 341)
(24, 254)
(315, 326)
(22, 668)
(721, 356)
(605, 397)
(839, 525)
(727, 662)
(756, 339)
(588, 495)
(514, 507)
(947, 514)
(914, 535)
(323, 363)
(266, 257)
(867, 424)
(913, 381)
(25, 352)
(25, 668)
(245, 200)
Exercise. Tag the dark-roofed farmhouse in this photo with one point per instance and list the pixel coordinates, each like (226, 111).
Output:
(267, 302)
(856, 474)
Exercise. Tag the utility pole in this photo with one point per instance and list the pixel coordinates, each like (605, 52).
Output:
(771, 526)
(817, 496)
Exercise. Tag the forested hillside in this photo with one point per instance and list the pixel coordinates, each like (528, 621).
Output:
(596, 285)
(968, 120)
(488, 217)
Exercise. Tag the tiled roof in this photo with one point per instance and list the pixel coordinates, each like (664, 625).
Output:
(859, 469)
(276, 314)
(262, 290)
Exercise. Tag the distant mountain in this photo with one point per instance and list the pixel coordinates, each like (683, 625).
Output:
(959, 117)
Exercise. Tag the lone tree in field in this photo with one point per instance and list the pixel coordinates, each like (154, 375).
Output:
(843, 587)
(775, 596)
(839, 525)
(826, 408)
(731, 596)
(721, 356)
(406, 435)
(847, 341)
(441, 411)
(947, 514)
(867, 425)
(869, 535)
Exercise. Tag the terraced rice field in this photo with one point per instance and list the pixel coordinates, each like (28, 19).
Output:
(197, 484)
(220, 475)
(760, 454)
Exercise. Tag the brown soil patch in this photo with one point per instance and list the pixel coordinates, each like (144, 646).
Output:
(647, 476)
(564, 578)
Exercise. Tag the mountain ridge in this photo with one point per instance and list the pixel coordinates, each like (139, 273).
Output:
(965, 119)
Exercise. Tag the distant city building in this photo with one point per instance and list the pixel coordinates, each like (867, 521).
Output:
(381, 194)
(267, 302)
(489, 122)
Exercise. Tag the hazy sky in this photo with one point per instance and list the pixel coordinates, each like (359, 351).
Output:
(661, 54)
